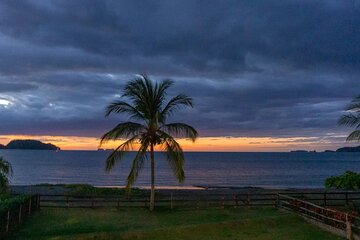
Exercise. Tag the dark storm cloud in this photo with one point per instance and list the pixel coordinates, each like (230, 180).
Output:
(254, 68)
(14, 87)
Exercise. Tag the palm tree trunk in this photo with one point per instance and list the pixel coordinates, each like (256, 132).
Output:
(152, 194)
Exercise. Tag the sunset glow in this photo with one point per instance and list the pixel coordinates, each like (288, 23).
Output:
(206, 144)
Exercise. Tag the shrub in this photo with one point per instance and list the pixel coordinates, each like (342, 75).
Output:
(349, 181)
(86, 189)
(8, 202)
(5, 173)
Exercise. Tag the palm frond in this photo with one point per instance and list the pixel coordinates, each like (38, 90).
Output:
(354, 136)
(137, 91)
(119, 153)
(160, 92)
(123, 107)
(354, 105)
(123, 130)
(174, 156)
(350, 120)
(174, 104)
(137, 165)
(181, 130)
(148, 86)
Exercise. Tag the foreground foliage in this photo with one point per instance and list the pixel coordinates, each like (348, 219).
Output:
(225, 224)
(348, 181)
(5, 173)
(8, 202)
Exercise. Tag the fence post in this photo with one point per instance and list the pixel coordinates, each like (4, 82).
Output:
(325, 203)
(171, 200)
(37, 201)
(277, 203)
(8, 221)
(67, 201)
(29, 206)
(247, 199)
(92, 202)
(236, 201)
(223, 202)
(346, 198)
(20, 212)
(349, 234)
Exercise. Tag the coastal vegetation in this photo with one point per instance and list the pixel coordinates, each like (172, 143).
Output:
(146, 104)
(90, 190)
(5, 173)
(138, 223)
(348, 181)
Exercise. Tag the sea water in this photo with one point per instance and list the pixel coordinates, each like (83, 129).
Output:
(218, 169)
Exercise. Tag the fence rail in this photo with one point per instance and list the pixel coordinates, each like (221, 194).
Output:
(171, 200)
(347, 223)
(204, 199)
(15, 215)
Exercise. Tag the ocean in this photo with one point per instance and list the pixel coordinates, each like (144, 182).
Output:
(218, 169)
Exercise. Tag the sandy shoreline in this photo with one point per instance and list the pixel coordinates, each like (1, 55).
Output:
(160, 187)
(191, 190)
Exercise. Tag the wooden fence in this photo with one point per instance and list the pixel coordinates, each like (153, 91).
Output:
(199, 199)
(333, 198)
(171, 200)
(342, 223)
(15, 215)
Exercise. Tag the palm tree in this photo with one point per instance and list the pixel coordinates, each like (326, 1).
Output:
(352, 119)
(5, 172)
(145, 103)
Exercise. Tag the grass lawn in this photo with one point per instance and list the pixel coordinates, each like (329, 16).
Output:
(230, 223)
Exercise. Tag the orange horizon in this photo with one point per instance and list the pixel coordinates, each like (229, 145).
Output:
(202, 144)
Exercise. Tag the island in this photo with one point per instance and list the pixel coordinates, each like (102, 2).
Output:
(30, 144)
(105, 149)
(2, 146)
(302, 151)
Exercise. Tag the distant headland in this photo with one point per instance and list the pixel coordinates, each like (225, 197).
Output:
(29, 144)
(343, 149)
(349, 149)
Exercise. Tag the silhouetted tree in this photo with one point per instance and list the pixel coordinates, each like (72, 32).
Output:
(145, 103)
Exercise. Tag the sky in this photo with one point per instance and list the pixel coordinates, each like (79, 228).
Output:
(264, 75)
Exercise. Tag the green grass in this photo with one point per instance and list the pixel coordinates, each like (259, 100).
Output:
(229, 224)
